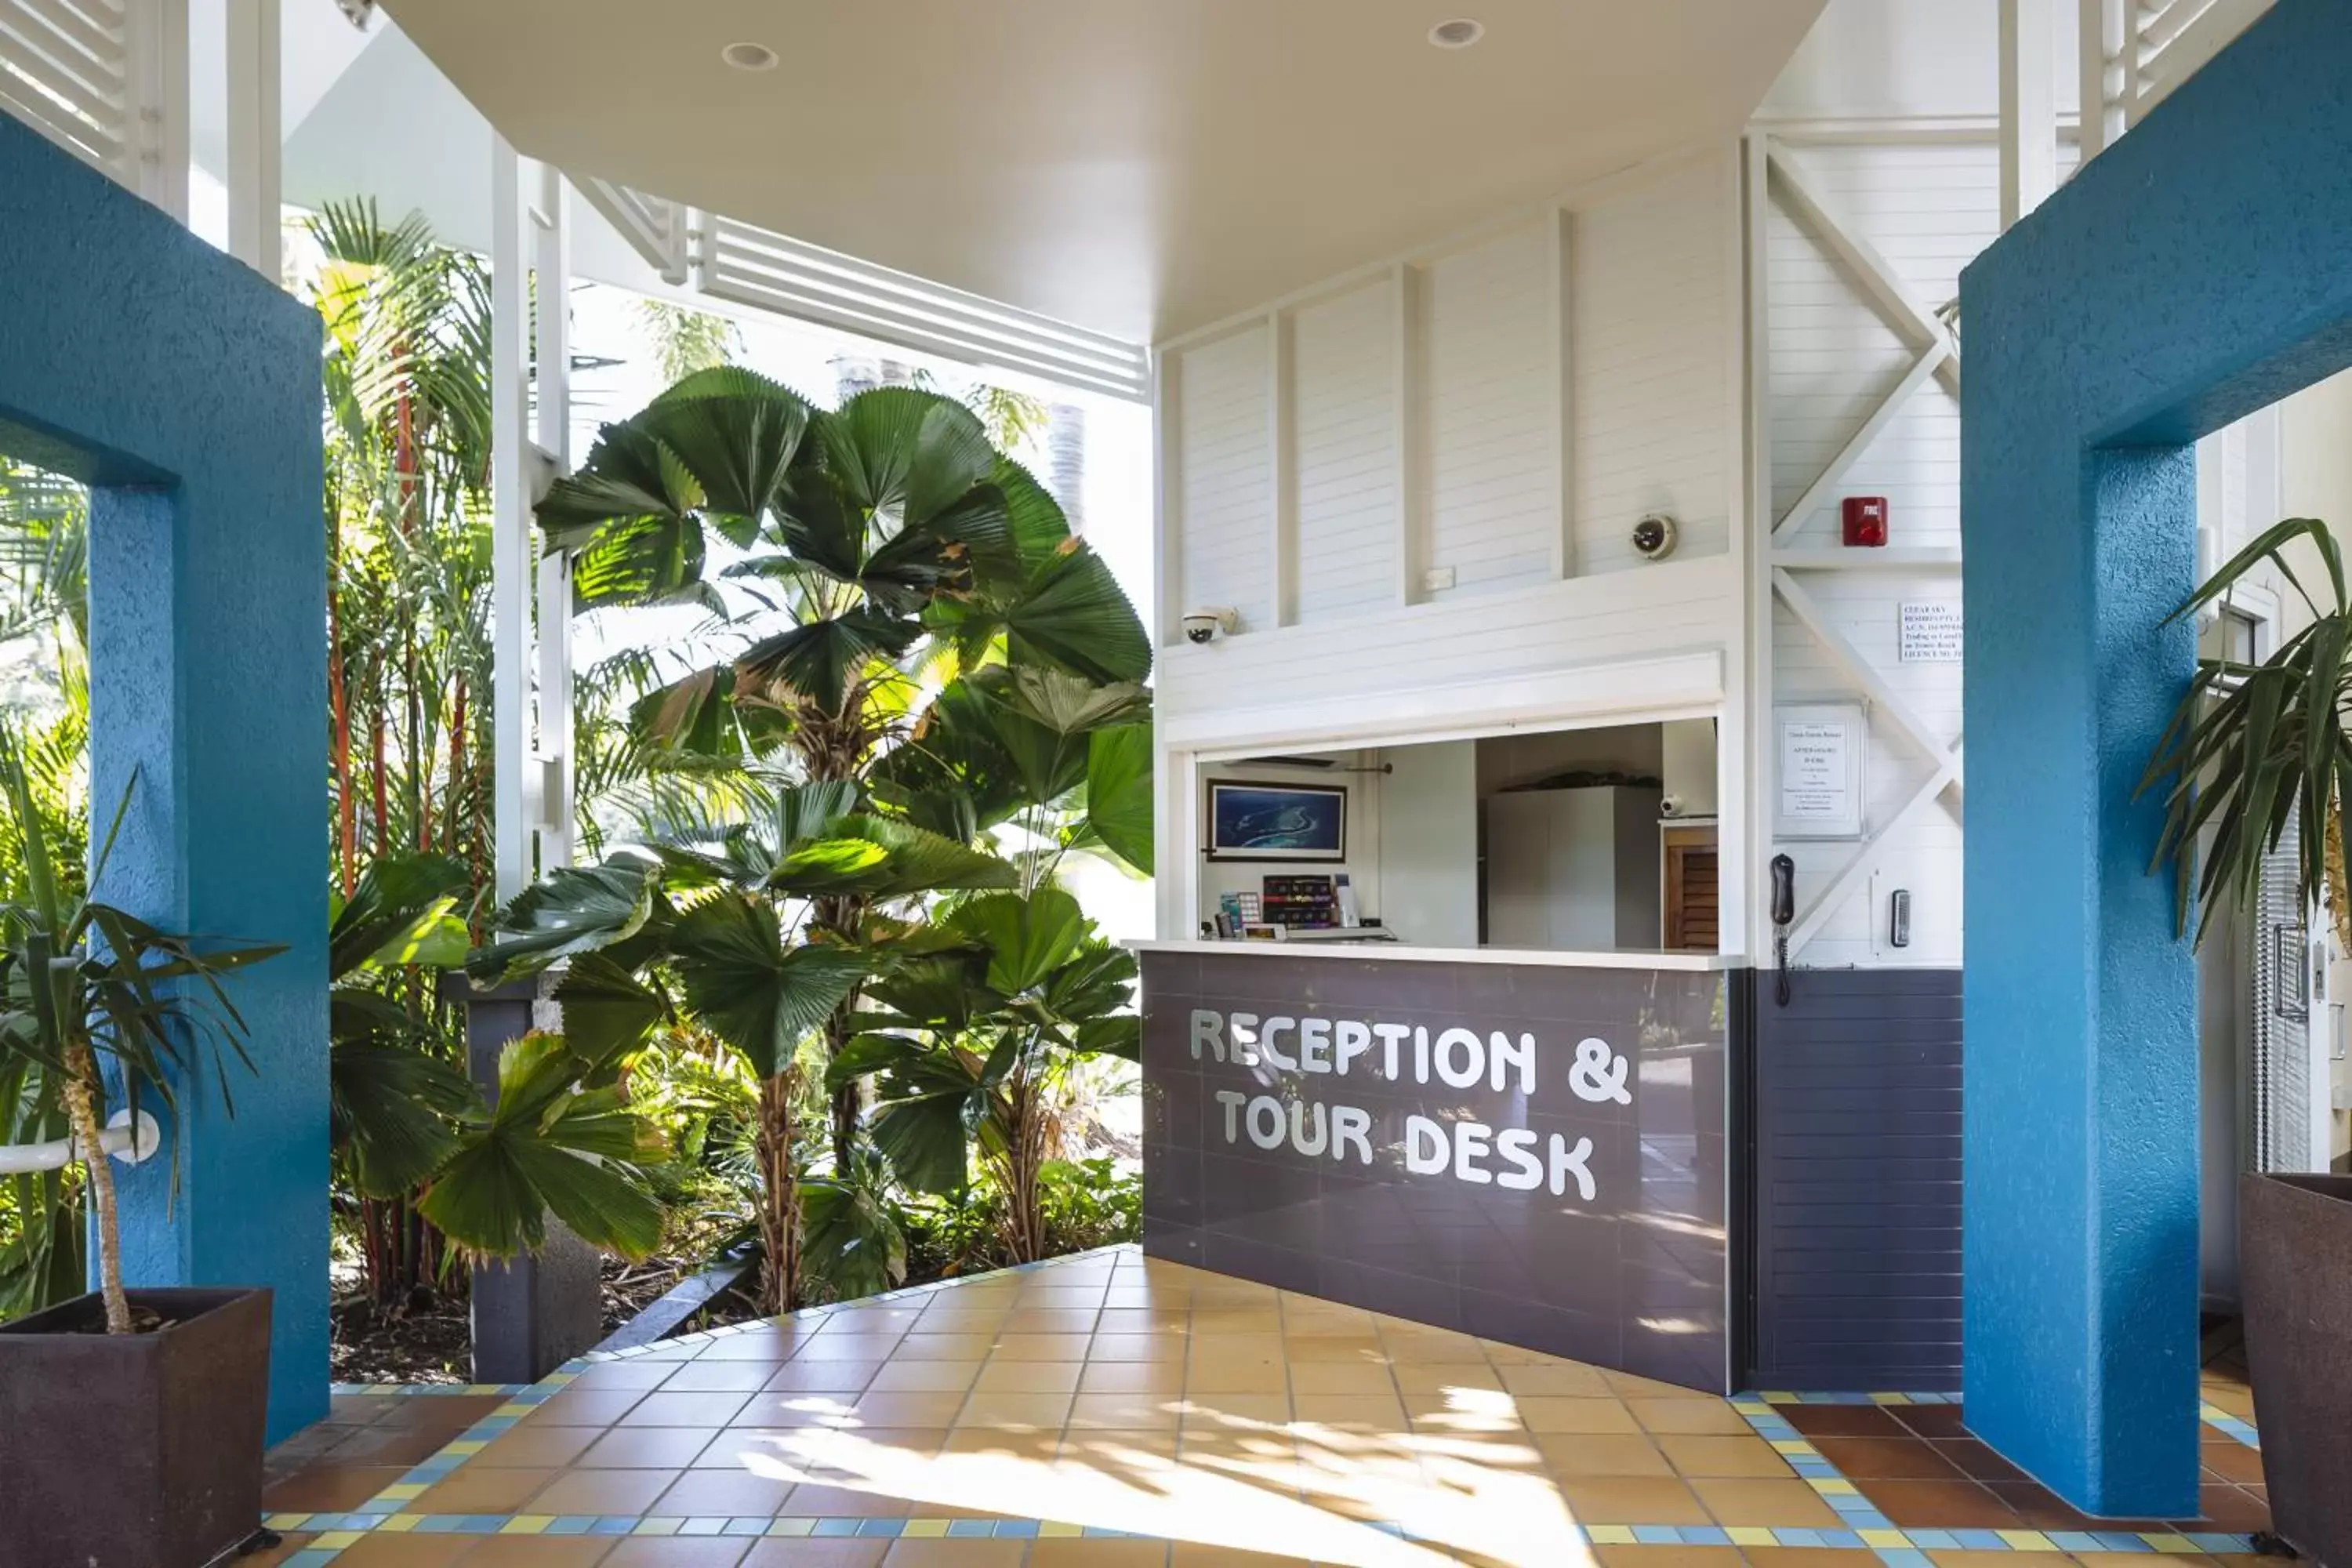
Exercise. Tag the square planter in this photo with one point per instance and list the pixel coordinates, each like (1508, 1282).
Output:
(137, 1450)
(2295, 1265)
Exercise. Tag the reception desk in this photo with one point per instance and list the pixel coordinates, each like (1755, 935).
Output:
(1531, 1147)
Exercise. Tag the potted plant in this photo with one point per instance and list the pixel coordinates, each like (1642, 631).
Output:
(2251, 748)
(131, 1421)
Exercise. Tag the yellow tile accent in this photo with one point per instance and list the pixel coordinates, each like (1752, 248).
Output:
(1751, 1408)
(2176, 1544)
(1750, 1535)
(558, 1379)
(2211, 1413)
(511, 1408)
(468, 1446)
(400, 1523)
(527, 1524)
(1610, 1534)
(336, 1540)
(1793, 1446)
(2026, 1541)
(921, 1529)
(657, 1527)
(804, 1526)
(287, 1521)
(1893, 1538)
(401, 1491)
(1059, 1527)
(1780, 1399)
(1831, 1487)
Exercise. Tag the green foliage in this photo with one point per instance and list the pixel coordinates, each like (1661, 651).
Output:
(2252, 747)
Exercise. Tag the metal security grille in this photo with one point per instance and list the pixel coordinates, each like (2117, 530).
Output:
(2279, 1104)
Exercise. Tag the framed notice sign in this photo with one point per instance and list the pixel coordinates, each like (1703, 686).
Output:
(1818, 754)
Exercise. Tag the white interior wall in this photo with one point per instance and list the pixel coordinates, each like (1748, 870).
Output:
(1362, 865)
(1429, 842)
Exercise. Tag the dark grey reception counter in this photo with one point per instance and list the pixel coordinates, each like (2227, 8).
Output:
(1531, 1147)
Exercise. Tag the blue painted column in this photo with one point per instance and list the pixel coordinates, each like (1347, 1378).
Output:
(184, 388)
(2195, 271)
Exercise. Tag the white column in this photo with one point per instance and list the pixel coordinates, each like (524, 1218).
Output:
(2105, 71)
(254, 135)
(2029, 106)
(552, 220)
(156, 56)
(510, 572)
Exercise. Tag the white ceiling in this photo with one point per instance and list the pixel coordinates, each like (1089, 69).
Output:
(1138, 166)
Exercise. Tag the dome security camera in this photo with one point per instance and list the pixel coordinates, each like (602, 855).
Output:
(1654, 537)
(1206, 624)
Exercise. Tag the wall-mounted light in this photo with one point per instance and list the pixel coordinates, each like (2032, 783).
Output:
(1458, 33)
(746, 56)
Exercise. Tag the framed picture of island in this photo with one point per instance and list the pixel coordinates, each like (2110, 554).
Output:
(1249, 821)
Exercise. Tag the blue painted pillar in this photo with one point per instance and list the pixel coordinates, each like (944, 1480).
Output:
(184, 388)
(2188, 276)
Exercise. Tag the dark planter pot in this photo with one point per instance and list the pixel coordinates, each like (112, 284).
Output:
(134, 1451)
(2294, 1266)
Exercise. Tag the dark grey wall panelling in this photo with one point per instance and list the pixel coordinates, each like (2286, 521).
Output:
(1856, 1199)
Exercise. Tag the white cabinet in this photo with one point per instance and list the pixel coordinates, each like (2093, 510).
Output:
(1573, 869)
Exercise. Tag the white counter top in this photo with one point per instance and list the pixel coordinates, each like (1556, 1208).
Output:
(1628, 958)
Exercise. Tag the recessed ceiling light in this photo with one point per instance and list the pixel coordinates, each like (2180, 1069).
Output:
(1458, 33)
(749, 56)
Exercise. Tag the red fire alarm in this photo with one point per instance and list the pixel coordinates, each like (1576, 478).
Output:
(1865, 519)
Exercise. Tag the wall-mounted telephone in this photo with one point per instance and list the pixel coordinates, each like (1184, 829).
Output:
(1784, 915)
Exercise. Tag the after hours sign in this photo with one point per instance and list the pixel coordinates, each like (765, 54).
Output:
(1529, 1153)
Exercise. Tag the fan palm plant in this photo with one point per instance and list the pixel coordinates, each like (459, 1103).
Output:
(870, 557)
(84, 984)
(2253, 747)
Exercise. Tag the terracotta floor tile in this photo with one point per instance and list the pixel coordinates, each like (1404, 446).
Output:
(2228, 1458)
(2231, 1509)
(1380, 1411)
(544, 1446)
(957, 1347)
(1048, 1412)
(451, 1412)
(749, 1447)
(1802, 1557)
(1887, 1458)
(1137, 1348)
(846, 1347)
(1633, 1500)
(1576, 1455)
(638, 1372)
(1126, 1412)
(386, 1445)
(1053, 1321)
(1198, 1555)
(665, 1409)
(1558, 1378)
(1789, 1503)
(1938, 1505)
(722, 1376)
(774, 1348)
(1568, 1412)
(946, 1553)
(815, 1501)
(1361, 1349)
(584, 1407)
(1132, 1377)
(1342, 1377)
(330, 1487)
(1977, 1461)
(593, 1491)
(1002, 1376)
(1227, 1412)
(925, 1377)
(1630, 1386)
(403, 1551)
(1097, 1554)
(1143, 1320)
(641, 1448)
(733, 1494)
(1059, 1291)
(1429, 1377)
(1667, 1556)
(1842, 1420)
(677, 1552)
(2039, 1507)
(1688, 1416)
(823, 1377)
(775, 1408)
(536, 1552)
(1930, 1420)
(1720, 1457)
(822, 1554)
(1040, 1347)
(484, 1489)
(1975, 1559)
(888, 1409)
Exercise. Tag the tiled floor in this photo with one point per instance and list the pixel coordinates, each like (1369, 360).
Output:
(1112, 1410)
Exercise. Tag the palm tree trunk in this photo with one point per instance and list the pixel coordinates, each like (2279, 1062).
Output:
(2339, 886)
(780, 1198)
(80, 1095)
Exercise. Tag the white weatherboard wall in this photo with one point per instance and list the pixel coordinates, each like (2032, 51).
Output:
(1416, 483)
